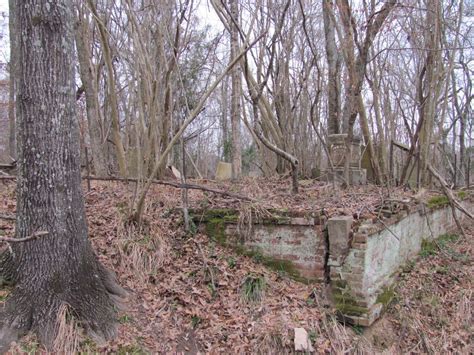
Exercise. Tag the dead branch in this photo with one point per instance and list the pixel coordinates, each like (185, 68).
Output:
(26, 239)
(449, 194)
(179, 186)
(160, 182)
(7, 217)
(454, 203)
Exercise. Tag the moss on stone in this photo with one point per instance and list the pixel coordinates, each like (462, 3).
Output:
(387, 295)
(351, 310)
(228, 214)
(231, 215)
(437, 201)
(442, 200)
(344, 301)
(215, 229)
(428, 248)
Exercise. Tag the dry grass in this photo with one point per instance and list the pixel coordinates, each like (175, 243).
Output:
(141, 250)
(275, 341)
(68, 336)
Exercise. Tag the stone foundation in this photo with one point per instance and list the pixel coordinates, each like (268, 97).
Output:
(360, 259)
(362, 276)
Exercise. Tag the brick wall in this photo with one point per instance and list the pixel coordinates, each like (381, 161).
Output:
(363, 275)
(294, 244)
(299, 241)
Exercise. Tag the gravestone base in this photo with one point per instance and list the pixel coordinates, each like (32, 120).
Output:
(356, 176)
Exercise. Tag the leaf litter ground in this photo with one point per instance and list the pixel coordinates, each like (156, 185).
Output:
(186, 293)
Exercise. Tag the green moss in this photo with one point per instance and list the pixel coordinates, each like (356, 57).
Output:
(437, 201)
(231, 215)
(387, 295)
(215, 229)
(30, 347)
(442, 200)
(350, 309)
(227, 214)
(445, 239)
(345, 302)
(428, 248)
(125, 319)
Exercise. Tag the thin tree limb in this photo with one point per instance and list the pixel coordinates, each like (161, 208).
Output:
(26, 239)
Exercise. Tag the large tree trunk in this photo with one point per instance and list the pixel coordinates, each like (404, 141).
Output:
(61, 267)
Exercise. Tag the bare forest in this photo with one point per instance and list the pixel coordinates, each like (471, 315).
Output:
(122, 121)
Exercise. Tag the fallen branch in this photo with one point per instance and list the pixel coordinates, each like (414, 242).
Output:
(26, 239)
(160, 182)
(178, 186)
(7, 177)
(7, 217)
(454, 203)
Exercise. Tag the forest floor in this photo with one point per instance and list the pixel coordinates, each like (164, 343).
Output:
(188, 294)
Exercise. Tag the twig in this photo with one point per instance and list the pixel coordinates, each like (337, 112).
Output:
(26, 239)
(387, 227)
(7, 217)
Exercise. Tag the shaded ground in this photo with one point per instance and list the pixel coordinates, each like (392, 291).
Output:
(187, 294)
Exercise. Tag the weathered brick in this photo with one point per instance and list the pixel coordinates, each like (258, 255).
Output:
(360, 246)
(360, 238)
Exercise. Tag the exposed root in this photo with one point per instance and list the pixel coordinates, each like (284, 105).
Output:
(45, 306)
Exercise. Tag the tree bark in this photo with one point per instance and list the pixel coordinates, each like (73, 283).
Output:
(236, 91)
(334, 68)
(59, 268)
(13, 74)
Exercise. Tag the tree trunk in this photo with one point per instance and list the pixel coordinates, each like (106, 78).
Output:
(334, 67)
(236, 91)
(13, 75)
(88, 77)
(60, 268)
(111, 93)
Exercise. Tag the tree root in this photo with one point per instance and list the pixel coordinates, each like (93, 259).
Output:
(92, 298)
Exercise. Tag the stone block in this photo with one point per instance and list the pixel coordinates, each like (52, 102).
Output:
(302, 341)
(360, 238)
(356, 176)
(302, 221)
(223, 171)
(359, 246)
(339, 229)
